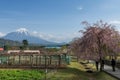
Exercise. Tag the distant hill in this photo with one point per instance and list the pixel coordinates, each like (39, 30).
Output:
(9, 42)
(24, 34)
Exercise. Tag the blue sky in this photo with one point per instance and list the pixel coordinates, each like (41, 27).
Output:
(56, 20)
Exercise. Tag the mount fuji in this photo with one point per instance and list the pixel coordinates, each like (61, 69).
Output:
(23, 34)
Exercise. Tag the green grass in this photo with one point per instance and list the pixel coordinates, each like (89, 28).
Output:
(19, 74)
(118, 58)
(74, 71)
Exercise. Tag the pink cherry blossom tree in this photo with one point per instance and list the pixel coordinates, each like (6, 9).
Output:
(98, 41)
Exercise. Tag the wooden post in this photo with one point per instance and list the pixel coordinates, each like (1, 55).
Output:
(50, 59)
(59, 60)
(7, 59)
(31, 60)
(9, 62)
(19, 59)
(25, 59)
(13, 59)
(39, 59)
(45, 61)
(36, 60)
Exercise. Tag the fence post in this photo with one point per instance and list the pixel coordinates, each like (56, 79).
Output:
(59, 56)
(39, 60)
(45, 62)
(50, 59)
(32, 60)
(19, 58)
(36, 60)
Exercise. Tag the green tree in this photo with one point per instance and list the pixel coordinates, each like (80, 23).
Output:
(6, 47)
(25, 44)
(21, 47)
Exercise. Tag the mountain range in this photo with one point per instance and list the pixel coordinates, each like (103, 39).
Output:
(23, 34)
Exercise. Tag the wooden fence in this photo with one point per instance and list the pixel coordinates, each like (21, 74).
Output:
(32, 60)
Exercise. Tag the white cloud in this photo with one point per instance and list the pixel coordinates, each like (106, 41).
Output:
(115, 22)
(35, 32)
(80, 8)
(56, 38)
(2, 34)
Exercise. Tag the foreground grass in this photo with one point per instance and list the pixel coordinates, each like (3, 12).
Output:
(19, 74)
(75, 71)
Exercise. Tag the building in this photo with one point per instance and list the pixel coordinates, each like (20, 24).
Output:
(24, 51)
(1, 49)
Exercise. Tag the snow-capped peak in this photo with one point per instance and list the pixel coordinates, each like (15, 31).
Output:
(22, 30)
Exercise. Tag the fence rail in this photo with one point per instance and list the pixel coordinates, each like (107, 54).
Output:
(32, 61)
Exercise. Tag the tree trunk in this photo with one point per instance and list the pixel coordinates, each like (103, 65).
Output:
(100, 64)
(100, 54)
